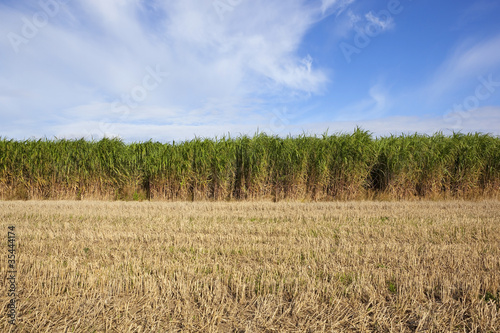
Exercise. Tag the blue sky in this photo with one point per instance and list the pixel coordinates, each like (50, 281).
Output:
(173, 70)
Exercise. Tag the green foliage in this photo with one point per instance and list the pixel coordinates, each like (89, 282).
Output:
(346, 278)
(392, 287)
(341, 166)
(492, 297)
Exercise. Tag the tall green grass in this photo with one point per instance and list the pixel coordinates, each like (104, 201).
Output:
(341, 166)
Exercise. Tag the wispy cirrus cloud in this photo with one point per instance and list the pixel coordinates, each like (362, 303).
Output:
(461, 94)
(375, 105)
(382, 24)
(86, 71)
(483, 120)
(469, 60)
(93, 52)
(334, 6)
(476, 11)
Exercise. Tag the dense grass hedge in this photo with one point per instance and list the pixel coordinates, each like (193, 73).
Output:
(342, 166)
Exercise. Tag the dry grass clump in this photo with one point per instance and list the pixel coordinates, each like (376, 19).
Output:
(255, 267)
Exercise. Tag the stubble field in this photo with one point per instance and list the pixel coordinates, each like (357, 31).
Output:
(254, 266)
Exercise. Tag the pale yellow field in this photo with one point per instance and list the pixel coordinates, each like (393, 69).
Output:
(254, 267)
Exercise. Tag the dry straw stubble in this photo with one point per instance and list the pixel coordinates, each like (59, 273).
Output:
(250, 266)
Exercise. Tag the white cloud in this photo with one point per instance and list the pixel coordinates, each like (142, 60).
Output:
(376, 105)
(468, 61)
(335, 6)
(91, 53)
(476, 11)
(223, 73)
(466, 80)
(381, 24)
(484, 120)
(371, 23)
